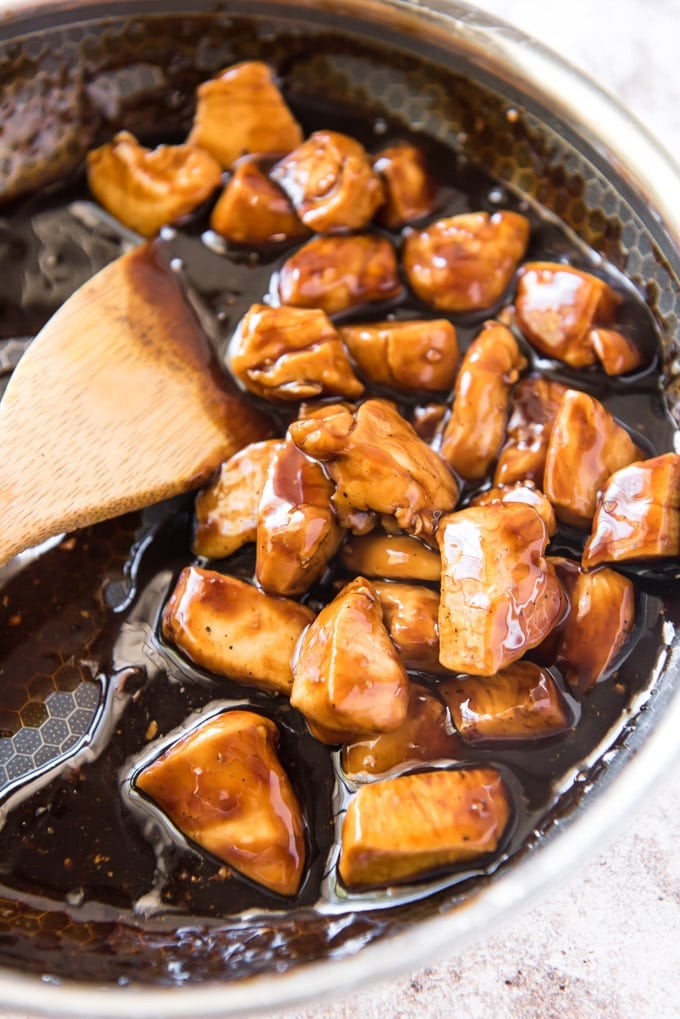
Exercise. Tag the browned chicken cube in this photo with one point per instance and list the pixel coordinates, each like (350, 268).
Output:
(521, 702)
(331, 182)
(240, 111)
(638, 514)
(618, 354)
(226, 511)
(349, 678)
(224, 787)
(148, 188)
(586, 446)
(338, 273)
(406, 355)
(466, 262)
(557, 308)
(286, 354)
(410, 192)
(411, 615)
(253, 210)
(297, 530)
(401, 829)
(392, 556)
(535, 402)
(601, 615)
(475, 430)
(378, 463)
(520, 492)
(425, 735)
(230, 628)
(499, 595)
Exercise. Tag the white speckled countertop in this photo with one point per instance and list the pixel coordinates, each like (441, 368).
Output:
(606, 944)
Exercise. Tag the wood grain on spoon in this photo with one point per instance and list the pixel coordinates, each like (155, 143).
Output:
(118, 403)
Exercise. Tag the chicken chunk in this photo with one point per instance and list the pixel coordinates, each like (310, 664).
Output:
(349, 678)
(392, 556)
(557, 308)
(499, 595)
(253, 210)
(425, 735)
(534, 407)
(521, 702)
(230, 628)
(297, 530)
(401, 829)
(226, 511)
(224, 787)
(411, 614)
(475, 430)
(586, 446)
(148, 188)
(638, 514)
(406, 355)
(242, 111)
(466, 262)
(618, 354)
(526, 493)
(331, 182)
(338, 273)
(286, 354)
(587, 644)
(378, 463)
(410, 192)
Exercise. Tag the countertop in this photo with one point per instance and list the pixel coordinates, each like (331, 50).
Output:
(606, 944)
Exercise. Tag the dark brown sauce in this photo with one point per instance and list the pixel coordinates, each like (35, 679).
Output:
(82, 862)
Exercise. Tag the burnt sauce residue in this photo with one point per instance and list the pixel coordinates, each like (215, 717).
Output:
(93, 884)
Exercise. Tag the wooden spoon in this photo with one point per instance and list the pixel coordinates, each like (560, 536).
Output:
(118, 403)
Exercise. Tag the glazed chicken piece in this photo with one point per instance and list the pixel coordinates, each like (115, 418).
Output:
(378, 463)
(297, 530)
(401, 829)
(242, 111)
(349, 679)
(224, 787)
(148, 188)
(499, 595)
(466, 262)
(601, 615)
(405, 355)
(253, 210)
(586, 446)
(522, 702)
(288, 354)
(338, 273)
(392, 556)
(425, 735)
(410, 193)
(475, 430)
(411, 614)
(638, 514)
(226, 511)
(535, 402)
(525, 492)
(557, 308)
(230, 628)
(331, 182)
(618, 354)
